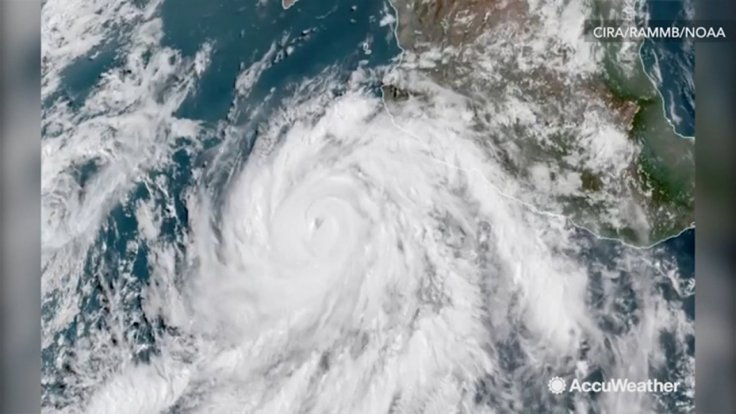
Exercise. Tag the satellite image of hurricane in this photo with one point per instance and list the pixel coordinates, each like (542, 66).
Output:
(375, 206)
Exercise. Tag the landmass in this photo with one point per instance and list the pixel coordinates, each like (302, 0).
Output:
(577, 121)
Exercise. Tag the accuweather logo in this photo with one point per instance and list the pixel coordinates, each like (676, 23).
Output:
(557, 385)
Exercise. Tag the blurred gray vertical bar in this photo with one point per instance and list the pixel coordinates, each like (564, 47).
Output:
(715, 79)
(20, 155)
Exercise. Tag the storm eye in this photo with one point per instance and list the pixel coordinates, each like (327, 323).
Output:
(317, 223)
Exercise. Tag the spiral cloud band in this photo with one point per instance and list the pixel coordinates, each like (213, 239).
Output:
(373, 259)
(357, 239)
(327, 246)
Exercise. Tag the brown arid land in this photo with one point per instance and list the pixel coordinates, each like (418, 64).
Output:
(578, 122)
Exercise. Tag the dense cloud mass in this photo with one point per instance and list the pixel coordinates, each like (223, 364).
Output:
(349, 253)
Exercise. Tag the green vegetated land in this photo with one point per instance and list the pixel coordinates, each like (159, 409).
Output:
(665, 170)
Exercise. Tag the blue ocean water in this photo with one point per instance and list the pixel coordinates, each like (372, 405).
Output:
(322, 34)
(318, 36)
(674, 61)
(314, 36)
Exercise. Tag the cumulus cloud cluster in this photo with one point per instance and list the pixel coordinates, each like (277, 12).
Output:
(366, 256)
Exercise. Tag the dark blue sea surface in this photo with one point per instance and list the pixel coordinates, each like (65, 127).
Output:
(312, 37)
(674, 60)
(317, 34)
